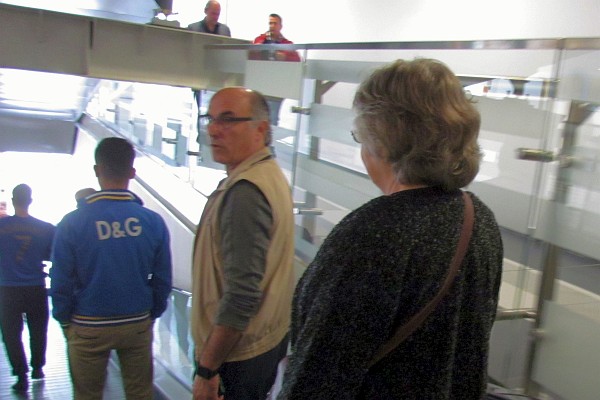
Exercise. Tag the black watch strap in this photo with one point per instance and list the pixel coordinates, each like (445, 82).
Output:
(205, 373)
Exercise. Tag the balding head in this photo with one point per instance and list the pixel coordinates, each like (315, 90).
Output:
(238, 125)
(212, 10)
(212, 4)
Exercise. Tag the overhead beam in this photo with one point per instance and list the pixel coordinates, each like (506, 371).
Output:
(49, 41)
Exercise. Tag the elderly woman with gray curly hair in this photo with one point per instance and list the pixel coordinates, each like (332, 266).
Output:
(385, 261)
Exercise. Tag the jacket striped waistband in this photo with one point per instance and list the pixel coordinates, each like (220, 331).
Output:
(85, 320)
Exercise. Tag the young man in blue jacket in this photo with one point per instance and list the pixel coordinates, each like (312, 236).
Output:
(110, 279)
(25, 243)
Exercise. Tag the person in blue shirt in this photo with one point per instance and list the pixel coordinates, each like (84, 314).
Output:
(25, 242)
(111, 277)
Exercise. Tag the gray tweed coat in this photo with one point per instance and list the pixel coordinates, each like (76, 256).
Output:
(379, 266)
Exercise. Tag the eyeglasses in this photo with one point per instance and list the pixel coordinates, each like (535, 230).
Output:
(355, 136)
(225, 121)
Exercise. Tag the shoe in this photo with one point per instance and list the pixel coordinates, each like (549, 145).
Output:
(22, 385)
(37, 373)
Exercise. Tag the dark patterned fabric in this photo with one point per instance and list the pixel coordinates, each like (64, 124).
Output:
(378, 267)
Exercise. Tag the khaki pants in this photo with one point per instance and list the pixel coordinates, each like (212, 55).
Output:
(89, 349)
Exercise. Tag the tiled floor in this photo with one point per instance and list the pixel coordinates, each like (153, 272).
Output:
(57, 384)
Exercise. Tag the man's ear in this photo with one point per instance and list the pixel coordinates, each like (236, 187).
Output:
(132, 173)
(263, 127)
(96, 170)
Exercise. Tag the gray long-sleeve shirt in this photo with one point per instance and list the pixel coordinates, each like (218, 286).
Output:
(245, 223)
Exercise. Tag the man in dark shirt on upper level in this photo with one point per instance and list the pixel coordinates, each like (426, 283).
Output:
(25, 242)
(210, 23)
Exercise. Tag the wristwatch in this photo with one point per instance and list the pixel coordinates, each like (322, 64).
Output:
(205, 373)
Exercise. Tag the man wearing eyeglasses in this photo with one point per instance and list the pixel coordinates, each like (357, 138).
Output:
(242, 264)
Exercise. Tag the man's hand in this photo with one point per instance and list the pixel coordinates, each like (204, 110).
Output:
(280, 55)
(206, 389)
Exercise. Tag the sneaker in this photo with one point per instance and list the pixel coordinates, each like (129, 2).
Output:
(22, 385)
(37, 373)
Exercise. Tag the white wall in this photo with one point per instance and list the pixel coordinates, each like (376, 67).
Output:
(136, 11)
(325, 21)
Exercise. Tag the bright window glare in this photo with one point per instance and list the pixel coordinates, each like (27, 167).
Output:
(53, 178)
(43, 87)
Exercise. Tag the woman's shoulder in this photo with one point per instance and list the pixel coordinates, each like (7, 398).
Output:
(371, 220)
(390, 207)
(482, 211)
(369, 211)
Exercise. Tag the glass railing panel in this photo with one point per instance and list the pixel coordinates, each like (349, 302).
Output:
(508, 124)
(173, 345)
(579, 78)
(227, 67)
(275, 78)
(508, 352)
(568, 364)
(567, 359)
(571, 212)
(520, 285)
(510, 59)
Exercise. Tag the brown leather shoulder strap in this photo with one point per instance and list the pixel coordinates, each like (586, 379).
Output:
(417, 320)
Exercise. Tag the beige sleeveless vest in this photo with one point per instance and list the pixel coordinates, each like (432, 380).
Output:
(271, 324)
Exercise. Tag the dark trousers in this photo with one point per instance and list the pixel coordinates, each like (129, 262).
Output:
(252, 379)
(33, 302)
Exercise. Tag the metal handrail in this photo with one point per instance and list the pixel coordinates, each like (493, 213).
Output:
(591, 43)
(516, 313)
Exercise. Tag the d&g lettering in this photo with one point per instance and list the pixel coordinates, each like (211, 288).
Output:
(130, 227)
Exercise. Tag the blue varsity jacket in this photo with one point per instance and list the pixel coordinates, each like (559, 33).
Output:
(111, 262)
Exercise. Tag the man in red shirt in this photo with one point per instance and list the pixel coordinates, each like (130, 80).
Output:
(274, 36)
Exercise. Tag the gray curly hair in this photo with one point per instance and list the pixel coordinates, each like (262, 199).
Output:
(415, 115)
